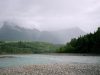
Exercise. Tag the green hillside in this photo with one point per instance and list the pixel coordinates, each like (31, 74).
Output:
(20, 47)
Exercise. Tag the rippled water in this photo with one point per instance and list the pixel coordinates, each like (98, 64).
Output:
(17, 60)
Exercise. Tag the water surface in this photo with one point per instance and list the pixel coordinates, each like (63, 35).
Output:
(20, 60)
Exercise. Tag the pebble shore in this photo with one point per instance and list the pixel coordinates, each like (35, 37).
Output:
(53, 69)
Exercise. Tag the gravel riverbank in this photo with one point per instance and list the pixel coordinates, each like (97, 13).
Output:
(53, 69)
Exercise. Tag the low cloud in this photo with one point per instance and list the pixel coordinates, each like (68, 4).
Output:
(52, 14)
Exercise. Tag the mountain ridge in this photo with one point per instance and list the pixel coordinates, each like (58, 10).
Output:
(13, 32)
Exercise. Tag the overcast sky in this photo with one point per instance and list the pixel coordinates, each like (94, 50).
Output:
(52, 14)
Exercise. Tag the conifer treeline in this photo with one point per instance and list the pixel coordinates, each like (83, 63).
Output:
(89, 43)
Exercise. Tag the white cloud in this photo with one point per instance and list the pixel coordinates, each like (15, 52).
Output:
(52, 14)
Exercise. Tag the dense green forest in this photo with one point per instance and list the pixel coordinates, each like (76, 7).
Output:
(89, 43)
(20, 47)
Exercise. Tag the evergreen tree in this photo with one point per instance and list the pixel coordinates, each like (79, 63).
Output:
(89, 43)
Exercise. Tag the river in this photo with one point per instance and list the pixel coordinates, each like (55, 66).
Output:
(21, 60)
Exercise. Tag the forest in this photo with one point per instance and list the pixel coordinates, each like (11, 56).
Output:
(22, 47)
(89, 43)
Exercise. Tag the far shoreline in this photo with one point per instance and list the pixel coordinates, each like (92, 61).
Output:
(54, 54)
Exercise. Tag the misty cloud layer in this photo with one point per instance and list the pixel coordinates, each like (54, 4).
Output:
(52, 14)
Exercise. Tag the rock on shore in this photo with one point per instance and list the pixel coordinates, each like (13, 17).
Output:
(53, 69)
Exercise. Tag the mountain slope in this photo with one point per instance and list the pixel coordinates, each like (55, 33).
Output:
(12, 32)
